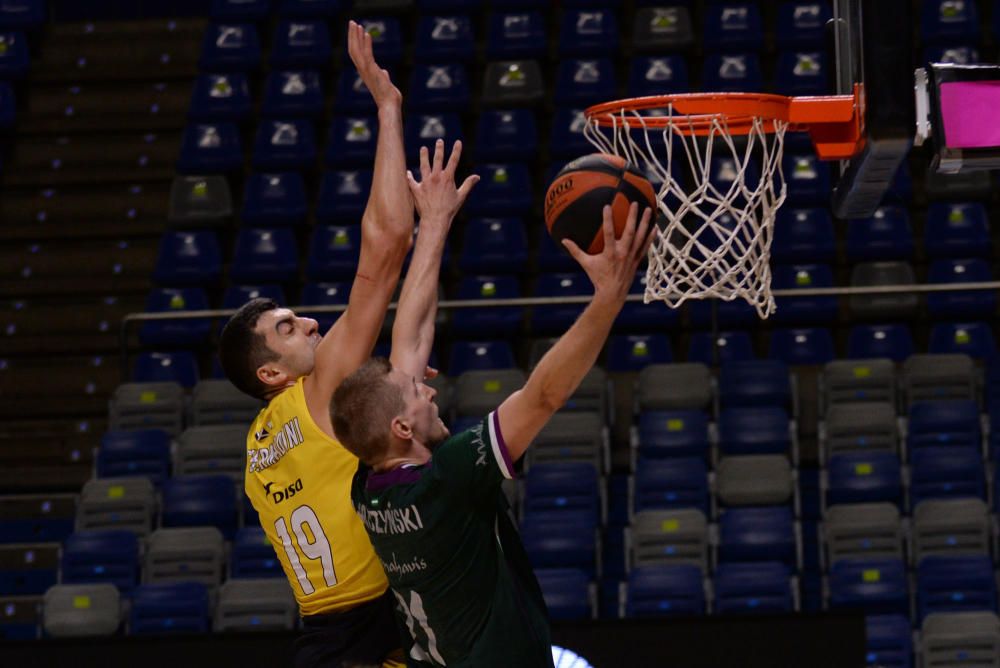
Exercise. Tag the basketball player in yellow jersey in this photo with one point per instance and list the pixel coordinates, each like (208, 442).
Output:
(298, 476)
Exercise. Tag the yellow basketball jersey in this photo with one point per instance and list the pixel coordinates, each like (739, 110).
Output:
(299, 480)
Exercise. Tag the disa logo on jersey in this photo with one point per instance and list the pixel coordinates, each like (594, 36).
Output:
(280, 495)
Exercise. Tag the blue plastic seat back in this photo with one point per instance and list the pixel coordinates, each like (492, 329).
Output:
(334, 252)
(506, 134)
(885, 236)
(867, 477)
(487, 321)
(675, 433)
(444, 39)
(285, 144)
(804, 310)
(177, 367)
(803, 235)
(556, 319)
(351, 141)
(974, 339)
(726, 347)
(101, 556)
(802, 72)
(135, 452)
(802, 346)
(496, 245)
(186, 332)
(167, 608)
(504, 190)
(439, 87)
(946, 472)
(802, 24)
(561, 539)
(754, 383)
(653, 75)
(680, 482)
(732, 73)
(893, 341)
(274, 199)
(236, 296)
(566, 139)
(210, 148)
(230, 47)
(733, 26)
(301, 43)
(253, 555)
(479, 355)
(944, 423)
(971, 304)
(875, 586)
(22, 14)
(425, 129)
(735, 314)
(753, 588)
(239, 10)
(309, 9)
(663, 591)
(200, 500)
(958, 583)
(566, 592)
(946, 21)
(584, 81)
(637, 317)
(265, 255)
(633, 352)
(807, 177)
(560, 486)
(516, 34)
(291, 94)
(324, 294)
(220, 97)
(758, 534)
(756, 430)
(588, 32)
(343, 195)
(190, 257)
(890, 641)
(957, 229)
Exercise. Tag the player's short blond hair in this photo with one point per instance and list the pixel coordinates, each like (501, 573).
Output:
(363, 408)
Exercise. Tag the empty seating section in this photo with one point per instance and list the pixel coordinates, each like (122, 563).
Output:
(841, 455)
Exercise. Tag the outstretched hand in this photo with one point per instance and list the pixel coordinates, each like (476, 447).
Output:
(435, 196)
(612, 271)
(376, 79)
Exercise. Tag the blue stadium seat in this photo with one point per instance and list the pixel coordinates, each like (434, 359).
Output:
(875, 586)
(210, 148)
(27, 570)
(803, 235)
(804, 310)
(639, 317)
(946, 472)
(736, 314)
(566, 592)
(723, 171)
(239, 10)
(351, 141)
(8, 106)
(318, 9)
(177, 367)
(14, 58)
(663, 591)
(324, 294)
(497, 245)
(265, 255)
(865, 477)
(439, 87)
(274, 199)
(974, 339)
(555, 320)
(292, 94)
(732, 73)
(753, 588)
(236, 296)
(758, 534)
(973, 304)
(476, 355)
(760, 430)
(519, 34)
(733, 26)
(950, 423)
(562, 486)
(444, 39)
(504, 190)
(657, 75)
(957, 230)
(188, 332)
(801, 24)
(387, 39)
(200, 500)
(253, 555)
(677, 482)
(220, 97)
(285, 145)
(552, 258)
(230, 47)
(587, 32)
(487, 321)
(425, 129)
(889, 641)
(188, 258)
(751, 383)
(175, 607)
(134, 452)
(796, 347)
(561, 539)
(666, 434)
(636, 351)
(868, 341)
(802, 73)
(885, 236)
(585, 81)
(807, 177)
(731, 346)
(955, 584)
(343, 195)
(508, 134)
(949, 22)
(22, 14)
(101, 556)
(301, 44)
(351, 94)
(334, 253)
(566, 138)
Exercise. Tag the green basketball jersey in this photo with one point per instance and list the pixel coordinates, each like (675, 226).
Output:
(453, 558)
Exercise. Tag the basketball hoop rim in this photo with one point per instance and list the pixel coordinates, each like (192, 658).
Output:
(835, 122)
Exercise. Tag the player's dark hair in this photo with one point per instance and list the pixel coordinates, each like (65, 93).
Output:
(363, 408)
(242, 350)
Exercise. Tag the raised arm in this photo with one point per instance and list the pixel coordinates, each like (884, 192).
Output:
(437, 201)
(386, 236)
(563, 367)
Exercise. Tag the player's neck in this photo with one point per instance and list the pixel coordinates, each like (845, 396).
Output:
(417, 454)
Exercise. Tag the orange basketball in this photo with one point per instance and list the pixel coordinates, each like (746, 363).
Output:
(580, 191)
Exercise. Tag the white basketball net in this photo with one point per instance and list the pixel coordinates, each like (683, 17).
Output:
(716, 242)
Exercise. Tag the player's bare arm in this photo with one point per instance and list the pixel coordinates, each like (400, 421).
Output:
(437, 201)
(564, 366)
(386, 237)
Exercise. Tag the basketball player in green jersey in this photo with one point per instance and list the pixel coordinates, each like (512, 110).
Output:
(432, 503)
